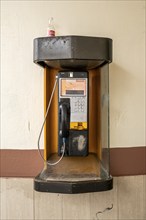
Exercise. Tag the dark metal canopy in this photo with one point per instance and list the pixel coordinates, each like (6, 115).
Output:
(65, 52)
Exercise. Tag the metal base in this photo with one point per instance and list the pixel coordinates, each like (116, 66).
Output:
(73, 187)
(73, 174)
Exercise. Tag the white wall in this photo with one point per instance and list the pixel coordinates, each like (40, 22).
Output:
(22, 80)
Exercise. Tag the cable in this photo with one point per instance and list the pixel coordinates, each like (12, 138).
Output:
(55, 163)
(106, 209)
(42, 127)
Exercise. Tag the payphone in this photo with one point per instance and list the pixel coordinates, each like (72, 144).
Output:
(76, 114)
(73, 113)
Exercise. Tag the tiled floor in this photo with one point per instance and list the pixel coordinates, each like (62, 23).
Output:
(20, 201)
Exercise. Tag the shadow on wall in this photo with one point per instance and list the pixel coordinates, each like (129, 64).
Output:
(124, 86)
(126, 99)
(122, 81)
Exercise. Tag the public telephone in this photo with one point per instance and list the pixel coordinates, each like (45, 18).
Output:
(73, 113)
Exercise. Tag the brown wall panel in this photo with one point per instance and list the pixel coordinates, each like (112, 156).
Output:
(128, 161)
(28, 163)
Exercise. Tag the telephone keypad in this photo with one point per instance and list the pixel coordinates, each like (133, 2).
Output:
(78, 104)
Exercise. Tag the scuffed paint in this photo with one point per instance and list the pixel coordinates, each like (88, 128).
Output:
(81, 142)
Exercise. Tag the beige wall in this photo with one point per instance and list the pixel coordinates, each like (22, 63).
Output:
(22, 81)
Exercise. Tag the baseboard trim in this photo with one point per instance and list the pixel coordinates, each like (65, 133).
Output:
(27, 163)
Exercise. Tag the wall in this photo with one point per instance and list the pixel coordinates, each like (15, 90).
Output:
(30, 205)
(22, 80)
(22, 101)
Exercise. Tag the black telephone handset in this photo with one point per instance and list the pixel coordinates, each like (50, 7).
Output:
(64, 110)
